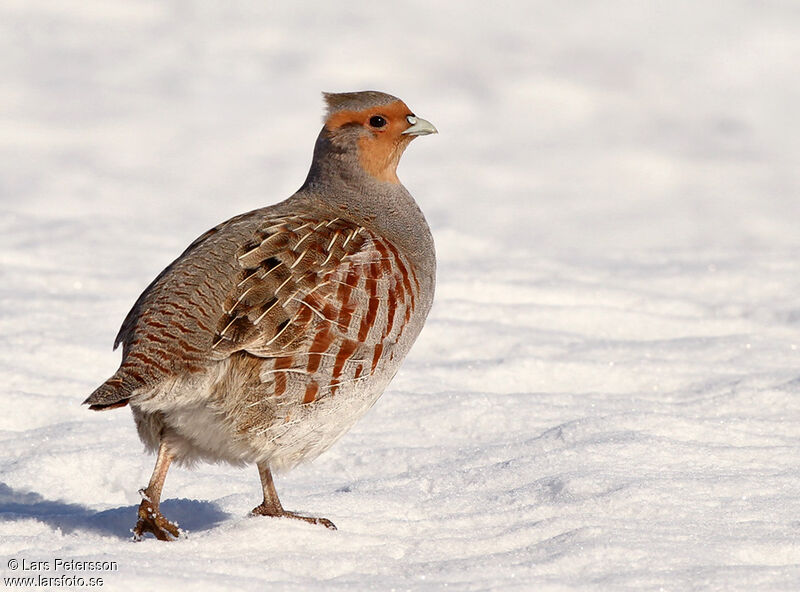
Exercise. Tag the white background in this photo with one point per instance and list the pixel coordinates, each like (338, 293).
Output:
(606, 394)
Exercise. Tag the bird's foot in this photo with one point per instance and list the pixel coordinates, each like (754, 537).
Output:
(151, 520)
(264, 510)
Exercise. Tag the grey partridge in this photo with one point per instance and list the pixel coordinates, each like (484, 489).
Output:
(275, 331)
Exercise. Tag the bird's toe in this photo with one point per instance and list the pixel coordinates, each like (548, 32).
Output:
(263, 510)
(154, 522)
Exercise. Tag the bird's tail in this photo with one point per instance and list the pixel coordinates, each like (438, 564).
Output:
(114, 392)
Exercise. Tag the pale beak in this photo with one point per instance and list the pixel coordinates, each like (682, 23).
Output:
(419, 127)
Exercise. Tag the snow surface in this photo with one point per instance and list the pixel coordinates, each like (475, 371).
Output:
(606, 394)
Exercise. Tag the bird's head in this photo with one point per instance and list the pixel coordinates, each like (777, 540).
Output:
(374, 126)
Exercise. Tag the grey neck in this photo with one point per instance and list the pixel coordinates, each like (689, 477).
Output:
(338, 184)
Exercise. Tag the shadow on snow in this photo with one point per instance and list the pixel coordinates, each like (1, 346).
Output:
(191, 515)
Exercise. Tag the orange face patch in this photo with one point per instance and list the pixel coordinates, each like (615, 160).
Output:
(380, 151)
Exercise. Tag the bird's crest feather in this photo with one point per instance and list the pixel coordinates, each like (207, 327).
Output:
(355, 101)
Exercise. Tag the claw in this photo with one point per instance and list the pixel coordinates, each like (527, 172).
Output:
(263, 510)
(153, 521)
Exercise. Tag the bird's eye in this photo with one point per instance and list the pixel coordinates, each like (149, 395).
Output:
(377, 121)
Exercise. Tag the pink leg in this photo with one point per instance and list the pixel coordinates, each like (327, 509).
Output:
(150, 518)
(271, 506)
